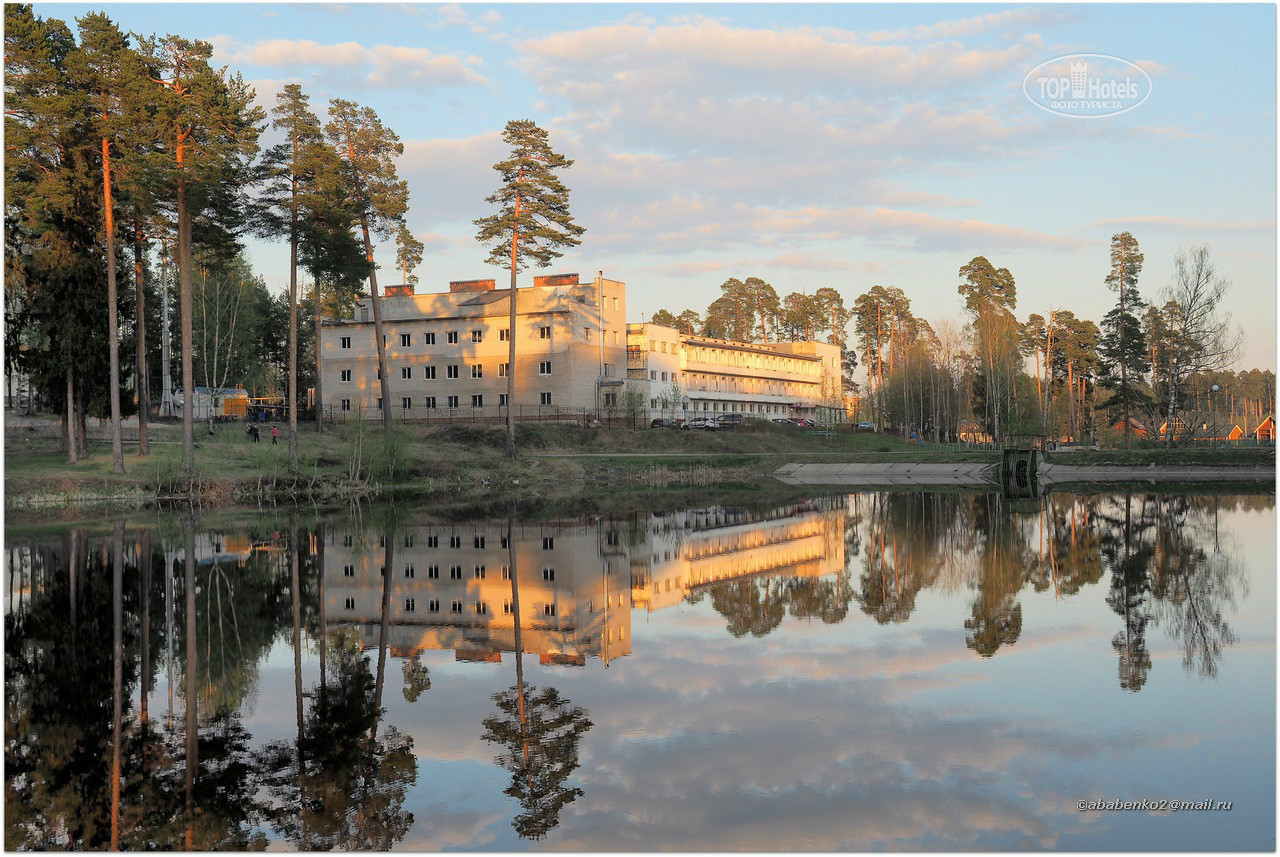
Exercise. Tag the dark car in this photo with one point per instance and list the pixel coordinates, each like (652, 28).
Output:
(783, 421)
(665, 423)
(730, 420)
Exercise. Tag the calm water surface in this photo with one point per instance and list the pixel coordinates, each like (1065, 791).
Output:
(870, 671)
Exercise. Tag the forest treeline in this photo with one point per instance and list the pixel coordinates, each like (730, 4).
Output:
(993, 375)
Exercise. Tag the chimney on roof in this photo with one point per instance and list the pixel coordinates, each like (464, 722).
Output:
(555, 280)
(471, 285)
(398, 291)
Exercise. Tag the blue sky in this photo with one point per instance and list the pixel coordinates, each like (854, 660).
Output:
(810, 145)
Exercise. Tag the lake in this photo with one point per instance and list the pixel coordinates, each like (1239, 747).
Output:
(876, 670)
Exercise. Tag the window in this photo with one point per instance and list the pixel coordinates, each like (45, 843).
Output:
(502, 542)
(608, 370)
(543, 399)
(455, 572)
(506, 608)
(548, 573)
(653, 374)
(503, 369)
(548, 543)
(433, 541)
(452, 402)
(548, 609)
(409, 605)
(456, 606)
(506, 573)
(433, 572)
(477, 371)
(346, 404)
(346, 541)
(344, 342)
(452, 337)
(451, 371)
(482, 609)
(406, 340)
(345, 375)
(406, 373)
(477, 335)
(348, 571)
(434, 605)
(429, 403)
(610, 400)
(455, 541)
(430, 338)
(379, 403)
(544, 332)
(502, 400)
(477, 401)
(406, 403)
(429, 372)
(479, 572)
(479, 541)
(544, 367)
(408, 541)
(382, 571)
(350, 604)
(504, 334)
(586, 334)
(410, 572)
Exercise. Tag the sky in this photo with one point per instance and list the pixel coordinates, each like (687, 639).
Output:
(809, 145)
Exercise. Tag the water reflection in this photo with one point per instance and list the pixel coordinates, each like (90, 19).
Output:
(104, 629)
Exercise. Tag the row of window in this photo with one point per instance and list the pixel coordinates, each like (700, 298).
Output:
(480, 607)
(451, 402)
(452, 372)
(479, 572)
(451, 337)
(455, 541)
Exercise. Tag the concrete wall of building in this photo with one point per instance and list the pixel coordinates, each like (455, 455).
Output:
(563, 339)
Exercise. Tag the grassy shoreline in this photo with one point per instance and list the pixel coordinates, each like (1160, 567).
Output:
(465, 463)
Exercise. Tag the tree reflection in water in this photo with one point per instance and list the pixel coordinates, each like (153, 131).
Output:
(1168, 568)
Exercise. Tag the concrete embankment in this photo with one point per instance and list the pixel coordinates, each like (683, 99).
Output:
(889, 473)
(904, 473)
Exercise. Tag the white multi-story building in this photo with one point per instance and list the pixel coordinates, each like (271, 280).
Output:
(447, 353)
(682, 375)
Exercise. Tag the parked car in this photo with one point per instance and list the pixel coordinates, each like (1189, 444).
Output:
(783, 421)
(730, 420)
(866, 426)
(702, 423)
(804, 422)
(666, 423)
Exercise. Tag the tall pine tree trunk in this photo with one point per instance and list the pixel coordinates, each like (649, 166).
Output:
(319, 401)
(293, 313)
(511, 333)
(187, 336)
(113, 310)
(142, 378)
(73, 448)
(378, 336)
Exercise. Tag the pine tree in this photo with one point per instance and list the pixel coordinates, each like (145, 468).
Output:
(210, 128)
(368, 150)
(1123, 345)
(286, 167)
(408, 254)
(532, 223)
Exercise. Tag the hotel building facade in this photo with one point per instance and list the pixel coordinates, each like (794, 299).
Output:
(447, 353)
(684, 376)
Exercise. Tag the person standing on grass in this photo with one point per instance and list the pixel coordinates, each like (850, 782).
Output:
(275, 433)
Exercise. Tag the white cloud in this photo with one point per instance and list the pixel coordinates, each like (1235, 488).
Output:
(380, 65)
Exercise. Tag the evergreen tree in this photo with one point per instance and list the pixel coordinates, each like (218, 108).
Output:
(368, 150)
(533, 222)
(210, 130)
(408, 255)
(1123, 346)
